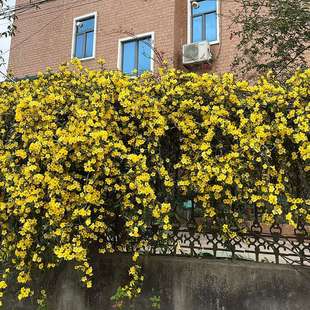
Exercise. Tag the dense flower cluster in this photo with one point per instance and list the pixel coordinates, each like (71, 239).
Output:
(90, 159)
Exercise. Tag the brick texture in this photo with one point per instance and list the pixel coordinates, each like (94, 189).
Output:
(44, 35)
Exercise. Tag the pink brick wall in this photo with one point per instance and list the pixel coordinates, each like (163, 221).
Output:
(44, 36)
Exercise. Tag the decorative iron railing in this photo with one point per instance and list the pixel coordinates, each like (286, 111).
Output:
(259, 247)
(277, 243)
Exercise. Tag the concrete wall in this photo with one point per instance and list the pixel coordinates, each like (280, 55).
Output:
(184, 284)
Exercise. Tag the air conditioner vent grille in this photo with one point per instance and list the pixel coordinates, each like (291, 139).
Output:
(196, 53)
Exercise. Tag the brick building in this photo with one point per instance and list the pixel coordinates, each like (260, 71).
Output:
(120, 31)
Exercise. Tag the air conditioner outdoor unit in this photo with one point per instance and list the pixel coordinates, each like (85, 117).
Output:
(196, 52)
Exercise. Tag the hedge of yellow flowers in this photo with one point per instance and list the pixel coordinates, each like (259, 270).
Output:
(90, 159)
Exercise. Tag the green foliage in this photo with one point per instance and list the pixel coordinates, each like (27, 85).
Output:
(6, 13)
(274, 35)
(42, 301)
(119, 298)
(155, 302)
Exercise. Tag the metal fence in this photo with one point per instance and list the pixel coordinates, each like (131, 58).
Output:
(277, 243)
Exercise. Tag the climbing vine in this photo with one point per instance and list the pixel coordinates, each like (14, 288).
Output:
(89, 160)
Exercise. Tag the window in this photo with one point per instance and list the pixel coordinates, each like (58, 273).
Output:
(136, 54)
(204, 21)
(84, 36)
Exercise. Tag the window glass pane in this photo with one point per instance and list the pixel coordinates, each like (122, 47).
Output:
(144, 56)
(205, 7)
(89, 44)
(79, 46)
(85, 25)
(197, 29)
(211, 27)
(129, 54)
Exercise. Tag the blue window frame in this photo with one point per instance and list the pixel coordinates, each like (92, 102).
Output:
(84, 37)
(204, 21)
(137, 56)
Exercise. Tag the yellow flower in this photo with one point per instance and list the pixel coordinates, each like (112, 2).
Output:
(3, 285)
(165, 207)
(21, 153)
(24, 293)
(85, 154)
(135, 256)
(156, 213)
(132, 270)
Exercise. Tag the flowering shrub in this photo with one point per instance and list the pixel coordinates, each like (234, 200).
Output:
(90, 159)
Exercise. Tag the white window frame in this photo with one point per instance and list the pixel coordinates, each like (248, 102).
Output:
(75, 20)
(189, 22)
(136, 37)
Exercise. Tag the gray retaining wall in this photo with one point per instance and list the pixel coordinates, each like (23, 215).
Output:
(183, 284)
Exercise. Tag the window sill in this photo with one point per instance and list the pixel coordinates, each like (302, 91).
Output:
(210, 43)
(214, 42)
(136, 76)
(85, 59)
(133, 76)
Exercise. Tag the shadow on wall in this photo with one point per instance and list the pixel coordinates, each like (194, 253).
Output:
(180, 284)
